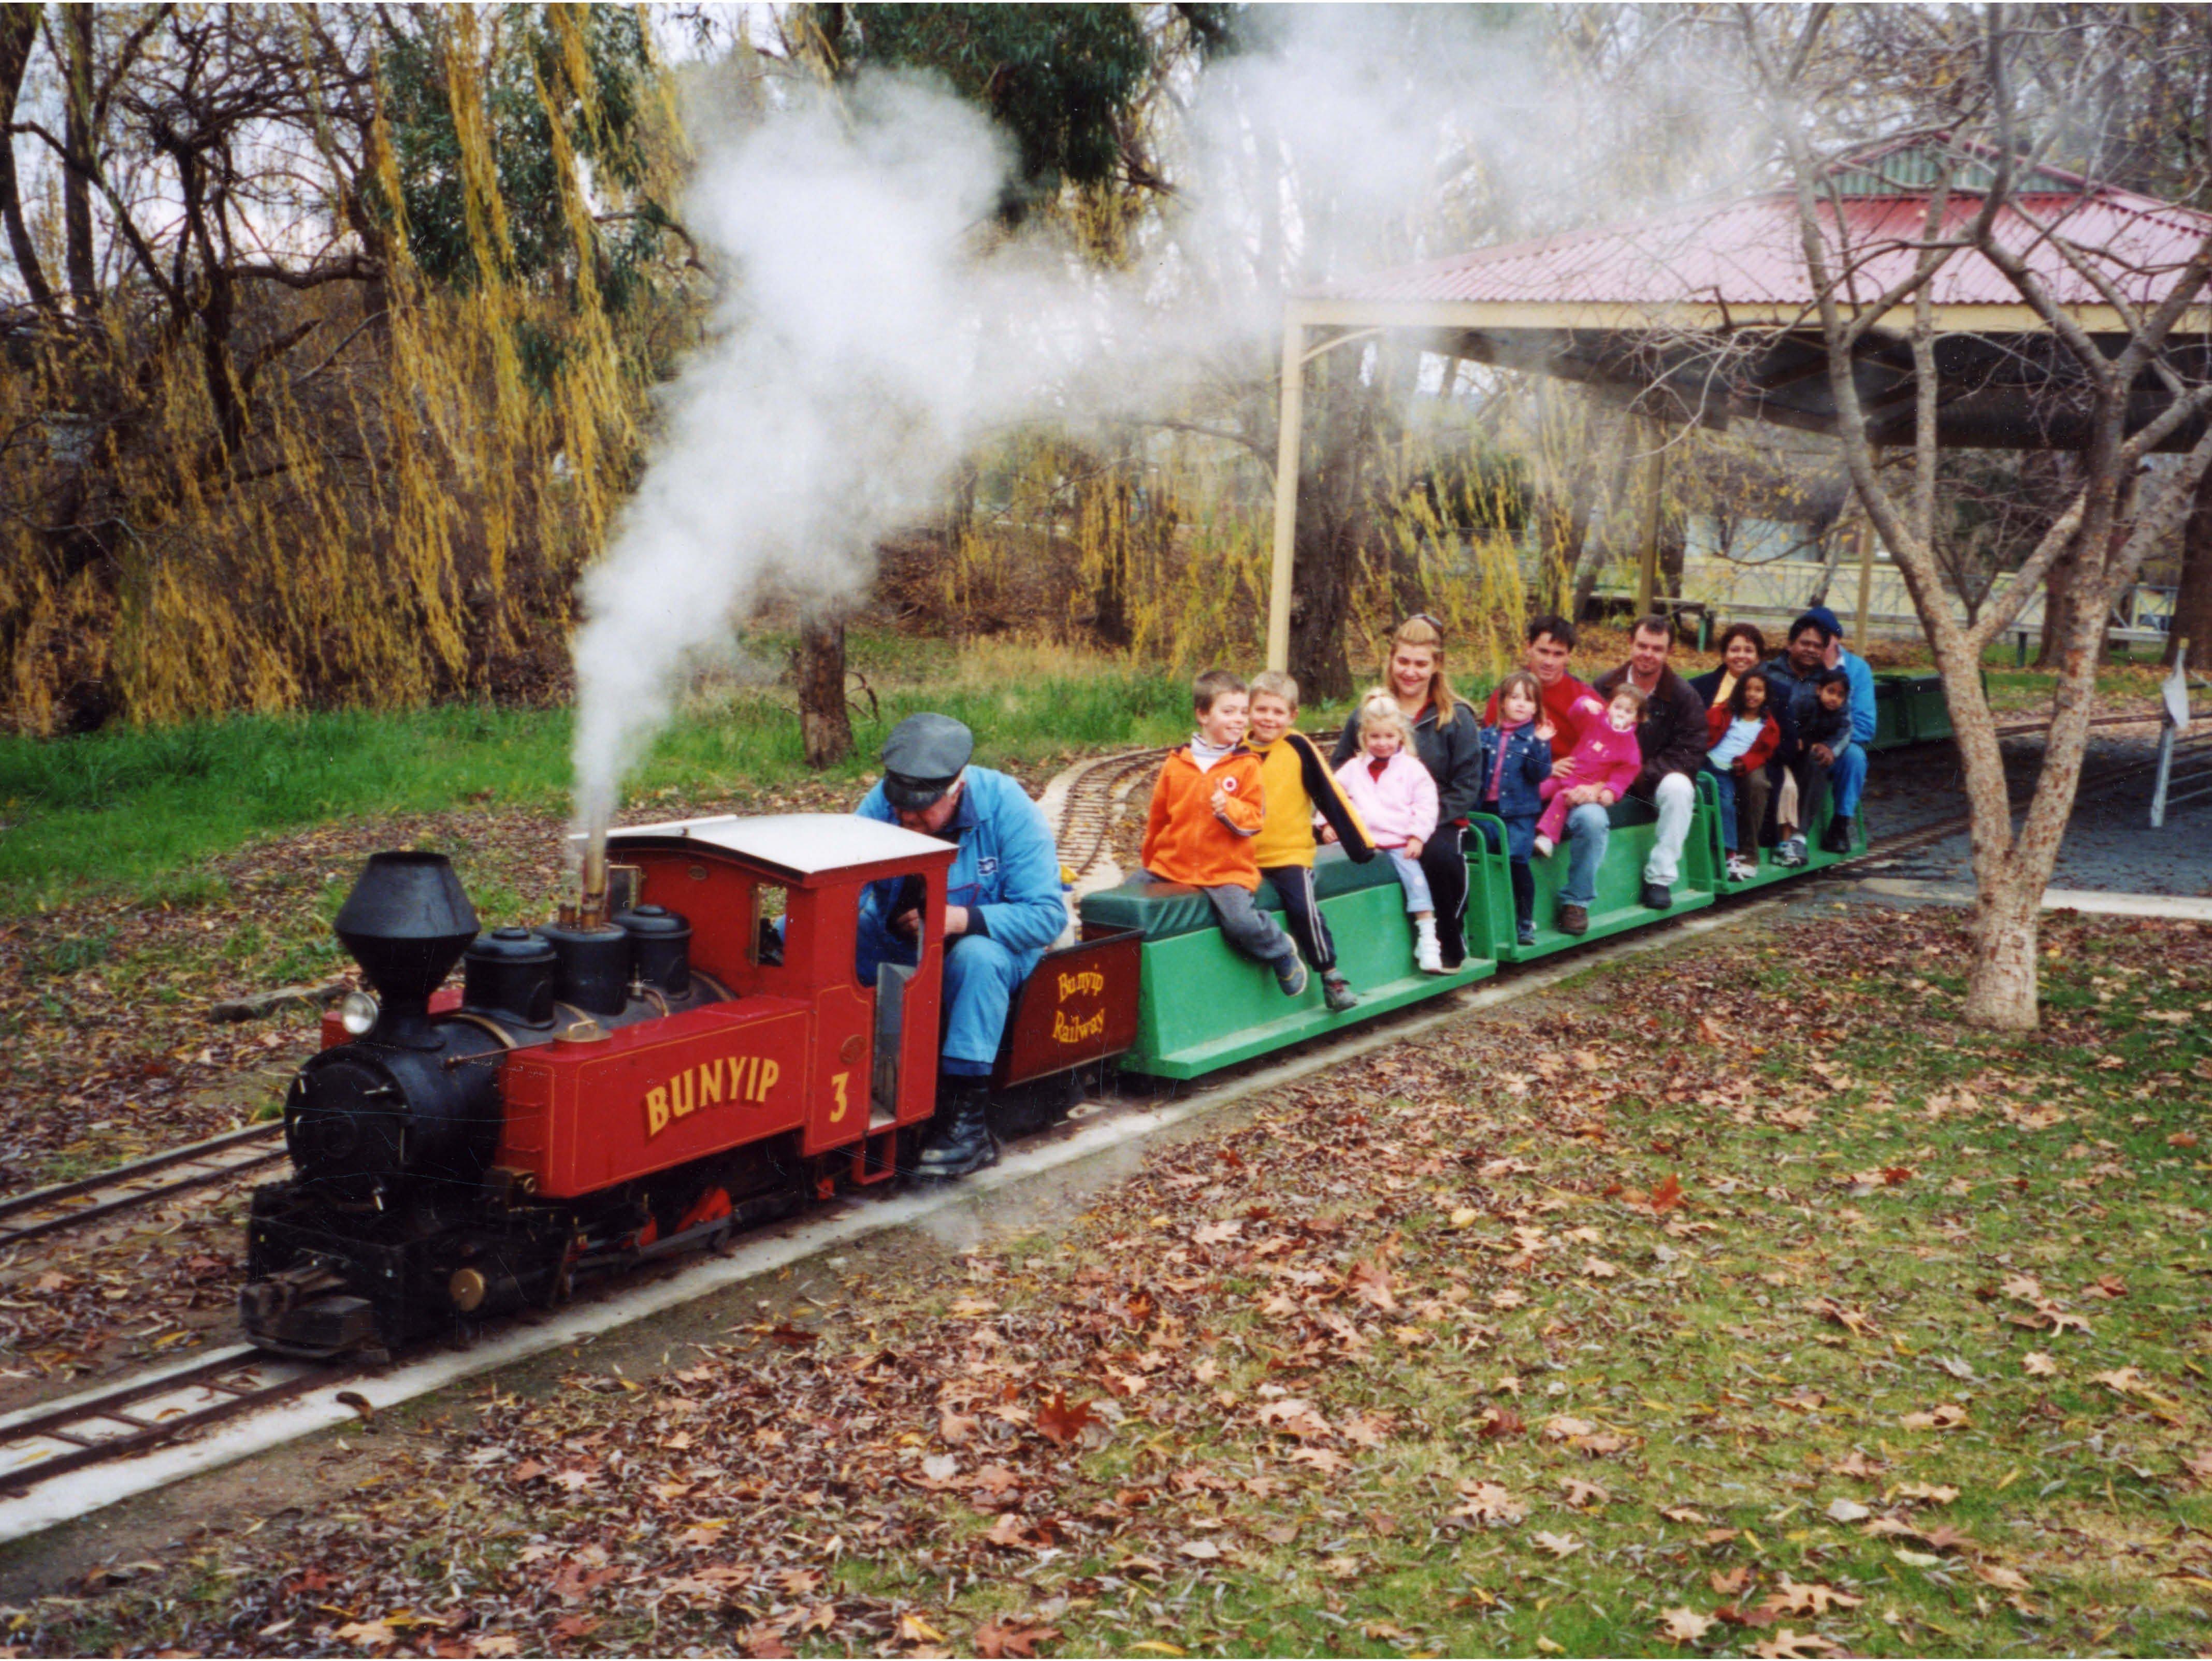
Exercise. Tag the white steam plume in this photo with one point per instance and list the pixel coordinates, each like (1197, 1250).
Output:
(869, 342)
(853, 366)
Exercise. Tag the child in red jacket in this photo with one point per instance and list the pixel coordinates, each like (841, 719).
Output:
(1741, 734)
(1608, 758)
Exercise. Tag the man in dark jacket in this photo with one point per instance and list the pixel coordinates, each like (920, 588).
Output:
(1673, 740)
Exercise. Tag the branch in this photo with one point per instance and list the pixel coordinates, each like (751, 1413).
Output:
(2034, 569)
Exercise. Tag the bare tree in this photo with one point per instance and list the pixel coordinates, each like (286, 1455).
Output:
(2113, 397)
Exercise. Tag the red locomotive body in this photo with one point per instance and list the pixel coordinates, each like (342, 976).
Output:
(603, 1089)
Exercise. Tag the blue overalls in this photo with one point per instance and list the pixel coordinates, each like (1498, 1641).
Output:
(1007, 874)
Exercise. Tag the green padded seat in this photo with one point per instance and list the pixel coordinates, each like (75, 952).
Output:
(1161, 911)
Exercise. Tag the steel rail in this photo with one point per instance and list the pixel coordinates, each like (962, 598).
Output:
(235, 1377)
(213, 1156)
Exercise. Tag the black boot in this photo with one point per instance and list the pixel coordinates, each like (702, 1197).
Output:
(1837, 837)
(959, 1140)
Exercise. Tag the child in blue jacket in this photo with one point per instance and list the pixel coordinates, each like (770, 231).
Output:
(1516, 758)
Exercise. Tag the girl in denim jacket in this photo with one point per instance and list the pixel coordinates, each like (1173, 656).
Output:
(1515, 761)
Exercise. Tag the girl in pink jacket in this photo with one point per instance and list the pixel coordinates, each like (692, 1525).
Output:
(1609, 757)
(1397, 797)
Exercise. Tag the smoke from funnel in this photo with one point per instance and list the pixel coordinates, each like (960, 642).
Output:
(877, 327)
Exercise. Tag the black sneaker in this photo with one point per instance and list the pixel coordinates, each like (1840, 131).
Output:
(1657, 896)
(1336, 992)
(1527, 934)
(1291, 977)
(1836, 839)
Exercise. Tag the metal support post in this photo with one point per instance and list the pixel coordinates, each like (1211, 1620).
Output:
(1866, 578)
(1287, 496)
(1655, 484)
(2173, 718)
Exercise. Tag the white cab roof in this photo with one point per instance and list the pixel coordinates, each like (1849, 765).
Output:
(804, 844)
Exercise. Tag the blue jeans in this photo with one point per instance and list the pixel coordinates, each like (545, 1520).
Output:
(980, 976)
(1587, 828)
(1724, 781)
(1847, 778)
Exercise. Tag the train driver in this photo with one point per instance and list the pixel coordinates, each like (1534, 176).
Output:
(1003, 909)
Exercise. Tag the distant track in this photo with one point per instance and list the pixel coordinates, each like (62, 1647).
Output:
(142, 1182)
(40, 1443)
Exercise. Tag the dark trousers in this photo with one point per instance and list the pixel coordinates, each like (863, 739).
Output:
(1294, 886)
(1444, 862)
(1524, 879)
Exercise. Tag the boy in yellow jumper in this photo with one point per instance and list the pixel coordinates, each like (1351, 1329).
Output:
(1207, 809)
(1297, 783)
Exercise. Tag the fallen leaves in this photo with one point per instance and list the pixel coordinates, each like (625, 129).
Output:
(1789, 1646)
(1683, 1626)
(1949, 1415)
(1558, 1545)
(1851, 1320)
(1061, 1424)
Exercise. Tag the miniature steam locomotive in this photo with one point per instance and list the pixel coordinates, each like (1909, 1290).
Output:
(649, 1072)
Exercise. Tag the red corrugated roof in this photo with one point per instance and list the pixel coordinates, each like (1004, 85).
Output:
(1749, 252)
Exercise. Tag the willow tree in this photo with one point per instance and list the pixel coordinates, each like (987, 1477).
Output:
(357, 464)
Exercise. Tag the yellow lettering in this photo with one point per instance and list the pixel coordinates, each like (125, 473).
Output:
(710, 1084)
(769, 1072)
(656, 1111)
(744, 1067)
(838, 1085)
(683, 1094)
(1066, 1032)
(1089, 980)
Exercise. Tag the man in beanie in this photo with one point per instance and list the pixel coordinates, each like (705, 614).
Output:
(1003, 908)
(1815, 645)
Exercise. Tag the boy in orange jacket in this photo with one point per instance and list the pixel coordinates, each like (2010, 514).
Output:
(1206, 809)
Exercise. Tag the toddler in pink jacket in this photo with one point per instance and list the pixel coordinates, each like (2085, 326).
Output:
(1609, 757)
(1397, 797)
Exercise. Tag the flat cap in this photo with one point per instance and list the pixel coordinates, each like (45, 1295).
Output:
(922, 758)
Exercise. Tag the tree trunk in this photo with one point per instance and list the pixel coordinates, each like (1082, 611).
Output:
(2059, 606)
(818, 664)
(2192, 607)
(77, 163)
(1105, 519)
(2001, 991)
(19, 33)
(1331, 523)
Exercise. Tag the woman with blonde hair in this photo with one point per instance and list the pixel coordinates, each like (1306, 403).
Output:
(1448, 739)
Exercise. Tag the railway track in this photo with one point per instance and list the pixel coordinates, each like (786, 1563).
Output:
(1086, 804)
(137, 1414)
(39, 1444)
(41, 1211)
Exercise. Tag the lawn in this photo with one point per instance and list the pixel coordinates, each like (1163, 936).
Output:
(141, 810)
(1733, 1302)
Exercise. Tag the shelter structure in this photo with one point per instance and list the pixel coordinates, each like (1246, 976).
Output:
(1708, 314)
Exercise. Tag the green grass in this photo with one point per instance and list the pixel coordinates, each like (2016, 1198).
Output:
(137, 810)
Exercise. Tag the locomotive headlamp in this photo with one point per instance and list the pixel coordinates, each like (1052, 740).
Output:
(357, 1013)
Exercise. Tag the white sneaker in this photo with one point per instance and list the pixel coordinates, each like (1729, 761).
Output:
(1428, 955)
(1741, 869)
(1792, 852)
(1544, 846)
